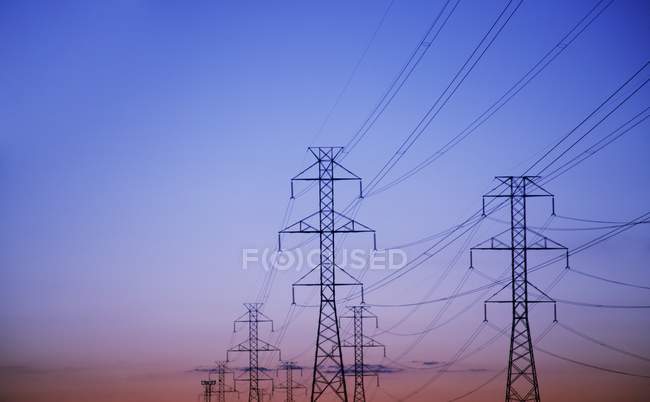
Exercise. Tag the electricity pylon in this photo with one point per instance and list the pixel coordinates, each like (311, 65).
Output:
(289, 384)
(359, 342)
(522, 382)
(208, 389)
(222, 387)
(328, 375)
(253, 345)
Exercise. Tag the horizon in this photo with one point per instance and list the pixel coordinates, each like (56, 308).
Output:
(148, 155)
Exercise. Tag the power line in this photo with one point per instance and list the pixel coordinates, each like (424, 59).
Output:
(517, 87)
(502, 371)
(353, 72)
(589, 116)
(601, 343)
(404, 74)
(592, 366)
(612, 281)
(461, 75)
(608, 306)
(621, 103)
(626, 127)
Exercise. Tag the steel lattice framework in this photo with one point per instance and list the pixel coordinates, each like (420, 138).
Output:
(360, 341)
(522, 384)
(328, 373)
(289, 384)
(222, 387)
(253, 345)
(208, 389)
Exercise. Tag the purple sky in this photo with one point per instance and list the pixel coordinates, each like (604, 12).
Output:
(145, 144)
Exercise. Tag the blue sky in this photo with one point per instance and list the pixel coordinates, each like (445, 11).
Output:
(145, 144)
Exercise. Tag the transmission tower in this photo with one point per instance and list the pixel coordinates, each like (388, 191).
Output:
(522, 382)
(289, 384)
(208, 389)
(253, 345)
(359, 342)
(328, 375)
(222, 387)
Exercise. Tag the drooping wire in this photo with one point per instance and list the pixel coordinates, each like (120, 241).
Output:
(589, 116)
(598, 123)
(625, 128)
(353, 72)
(404, 74)
(454, 84)
(517, 87)
(608, 280)
(591, 366)
(500, 372)
(601, 343)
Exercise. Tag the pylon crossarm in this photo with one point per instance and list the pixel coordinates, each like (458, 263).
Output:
(489, 299)
(299, 281)
(354, 280)
(531, 181)
(493, 243)
(372, 343)
(303, 225)
(246, 321)
(349, 225)
(264, 346)
(261, 378)
(352, 175)
(543, 243)
(548, 298)
(241, 347)
(300, 177)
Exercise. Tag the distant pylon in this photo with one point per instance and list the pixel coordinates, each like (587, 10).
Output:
(359, 342)
(328, 378)
(253, 345)
(222, 387)
(289, 384)
(522, 384)
(208, 389)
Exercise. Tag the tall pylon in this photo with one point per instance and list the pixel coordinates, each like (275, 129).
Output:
(328, 378)
(289, 384)
(359, 342)
(208, 389)
(522, 384)
(222, 387)
(253, 345)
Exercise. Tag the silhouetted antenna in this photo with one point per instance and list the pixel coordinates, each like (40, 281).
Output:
(222, 387)
(522, 382)
(253, 345)
(328, 375)
(359, 342)
(289, 384)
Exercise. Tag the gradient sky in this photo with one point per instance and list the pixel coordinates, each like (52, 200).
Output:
(144, 144)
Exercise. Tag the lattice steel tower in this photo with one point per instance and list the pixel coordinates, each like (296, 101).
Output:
(359, 342)
(253, 345)
(289, 384)
(328, 375)
(522, 382)
(222, 387)
(208, 389)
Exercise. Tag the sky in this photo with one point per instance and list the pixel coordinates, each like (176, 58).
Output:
(144, 145)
